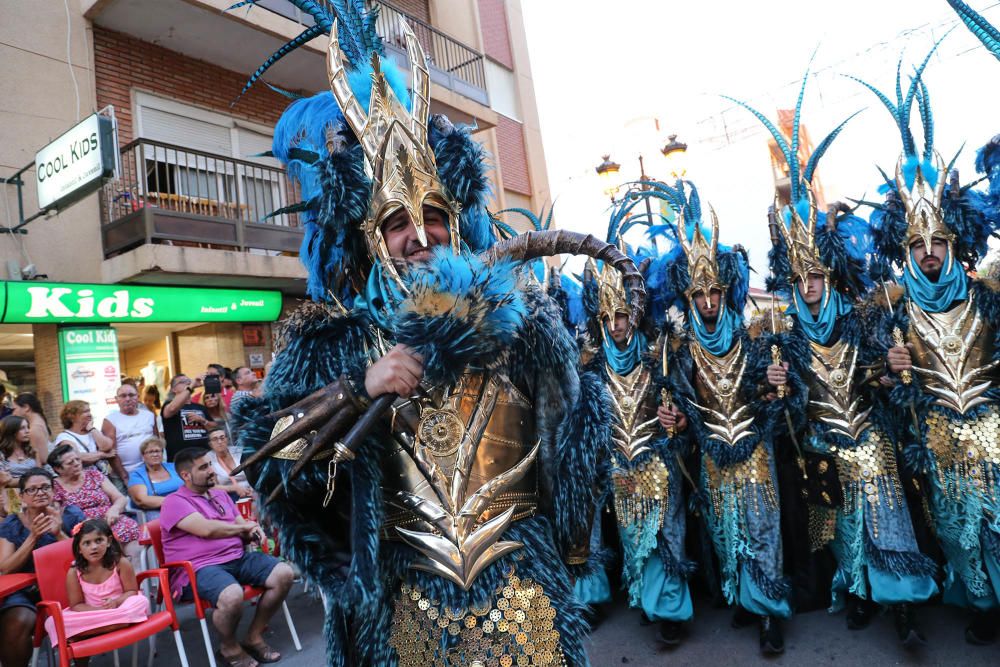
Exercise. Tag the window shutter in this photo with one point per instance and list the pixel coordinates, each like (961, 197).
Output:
(190, 133)
(251, 143)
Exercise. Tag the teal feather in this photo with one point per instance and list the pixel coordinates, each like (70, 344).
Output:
(304, 37)
(822, 148)
(881, 96)
(979, 26)
(775, 133)
(793, 165)
(926, 119)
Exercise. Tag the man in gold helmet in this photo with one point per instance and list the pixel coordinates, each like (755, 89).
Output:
(938, 331)
(426, 446)
(647, 486)
(723, 367)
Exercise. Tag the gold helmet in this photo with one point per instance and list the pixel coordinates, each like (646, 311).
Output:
(398, 158)
(800, 240)
(611, 297)
(702, 257)
(922, 203)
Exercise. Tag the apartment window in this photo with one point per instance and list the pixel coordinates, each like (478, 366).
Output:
(202, 162)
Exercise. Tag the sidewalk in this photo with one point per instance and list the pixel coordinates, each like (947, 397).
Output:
(814, 638)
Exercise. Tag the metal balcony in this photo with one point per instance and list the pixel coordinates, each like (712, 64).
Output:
(454, 65)
(177, 196)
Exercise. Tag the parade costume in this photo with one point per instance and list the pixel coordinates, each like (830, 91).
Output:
(851, 481)
(450, 533)
(647, 486)
(950, 398)
(733, 426)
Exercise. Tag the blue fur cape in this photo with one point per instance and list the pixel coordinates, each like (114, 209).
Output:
(338, 548)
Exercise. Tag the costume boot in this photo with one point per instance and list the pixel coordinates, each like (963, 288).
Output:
(906, 626)
(982, 631)
(671, 633)
(859, 612)
(772, 642)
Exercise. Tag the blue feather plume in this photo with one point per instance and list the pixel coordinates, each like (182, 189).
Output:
(986, 32)
(356, 33)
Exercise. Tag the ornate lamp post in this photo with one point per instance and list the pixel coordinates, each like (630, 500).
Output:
(674, 153)
(608, 171)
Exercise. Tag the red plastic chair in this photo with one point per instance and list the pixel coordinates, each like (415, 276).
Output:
(10, 583)
(51, 564)
(200, 605)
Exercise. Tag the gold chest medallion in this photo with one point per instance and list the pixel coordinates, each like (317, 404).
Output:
(717, 384)
(832, 399)
(951, 354)
(461, 471)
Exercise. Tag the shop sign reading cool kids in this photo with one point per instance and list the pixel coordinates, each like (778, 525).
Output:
(26, 302)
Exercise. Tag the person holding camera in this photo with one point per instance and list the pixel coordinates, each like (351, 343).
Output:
(185, 423)
(218, 380)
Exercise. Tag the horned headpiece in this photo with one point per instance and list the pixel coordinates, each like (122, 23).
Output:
(398, 158)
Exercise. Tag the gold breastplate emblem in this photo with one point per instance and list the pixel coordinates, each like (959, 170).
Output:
(717, 384)
(831, 397)
(462, 473)
(951, 353)
(633, 427)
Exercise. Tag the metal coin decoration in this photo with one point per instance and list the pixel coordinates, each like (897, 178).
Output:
(440, 431)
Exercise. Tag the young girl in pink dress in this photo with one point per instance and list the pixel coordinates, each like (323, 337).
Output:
(103, 593)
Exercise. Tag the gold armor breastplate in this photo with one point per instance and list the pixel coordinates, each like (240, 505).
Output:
(717, 384)
(635, 416)
(832, 399)
(952, 352)
(462, 468)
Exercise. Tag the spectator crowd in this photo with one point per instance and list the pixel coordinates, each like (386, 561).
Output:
(168, 460)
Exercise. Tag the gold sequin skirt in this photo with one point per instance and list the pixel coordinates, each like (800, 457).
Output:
(966, 453)
(747, 484)
(641, 491)
(516, 628)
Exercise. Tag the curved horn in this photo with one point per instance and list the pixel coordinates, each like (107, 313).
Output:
(535, 244)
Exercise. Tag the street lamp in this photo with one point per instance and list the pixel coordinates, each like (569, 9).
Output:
(608, 171)
(674, 153)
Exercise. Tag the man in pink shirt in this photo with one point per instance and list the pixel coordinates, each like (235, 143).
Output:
(202, 525)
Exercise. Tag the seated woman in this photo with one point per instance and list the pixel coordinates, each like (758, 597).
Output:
(18, 456)
(151, 482)
(92, 492)
(101, 586)
(39, 524)
(94, 447)
(223, 462)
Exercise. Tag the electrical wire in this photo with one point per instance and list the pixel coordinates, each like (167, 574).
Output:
(69, 57)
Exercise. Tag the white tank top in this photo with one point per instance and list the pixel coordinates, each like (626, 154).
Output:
(130, 431)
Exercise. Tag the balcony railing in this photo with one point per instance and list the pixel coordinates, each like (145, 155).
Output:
(453, 64)
(171, 194)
